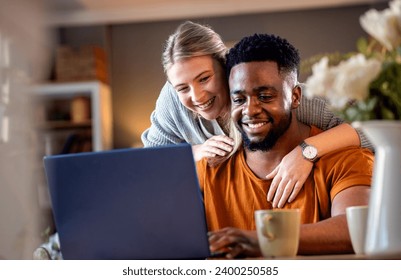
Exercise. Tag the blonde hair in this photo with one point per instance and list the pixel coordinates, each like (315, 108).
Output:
(193, 39)
(236, 136)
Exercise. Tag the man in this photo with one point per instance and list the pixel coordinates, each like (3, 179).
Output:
(263, 72)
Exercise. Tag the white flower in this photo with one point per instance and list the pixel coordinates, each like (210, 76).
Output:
(322, 83)
(320, 80)
(355, 75)
(384, 26)
(395, 7)
(348, 81)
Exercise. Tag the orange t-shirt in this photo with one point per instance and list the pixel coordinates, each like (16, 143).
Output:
(232, 192)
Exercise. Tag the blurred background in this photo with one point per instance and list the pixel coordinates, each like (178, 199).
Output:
(84, 75)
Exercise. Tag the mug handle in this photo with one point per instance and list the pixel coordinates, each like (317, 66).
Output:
(266, 220)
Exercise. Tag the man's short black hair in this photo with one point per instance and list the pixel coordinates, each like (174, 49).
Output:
(264, 47)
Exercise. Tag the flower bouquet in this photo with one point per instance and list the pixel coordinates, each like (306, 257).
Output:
(365, 85)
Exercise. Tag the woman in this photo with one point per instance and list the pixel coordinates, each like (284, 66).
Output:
(194, 107)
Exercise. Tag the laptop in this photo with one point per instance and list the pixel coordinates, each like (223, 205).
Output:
(137, 203)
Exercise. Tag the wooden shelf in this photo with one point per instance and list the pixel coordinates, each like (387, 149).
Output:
(99, 95)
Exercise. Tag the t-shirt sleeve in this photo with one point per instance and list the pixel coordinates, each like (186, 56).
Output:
(348, 168)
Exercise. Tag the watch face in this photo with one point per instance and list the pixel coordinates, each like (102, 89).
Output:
(310, 152)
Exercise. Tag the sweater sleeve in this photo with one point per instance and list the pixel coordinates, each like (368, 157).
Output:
(164, 129)
(315, 111)
(365, 143)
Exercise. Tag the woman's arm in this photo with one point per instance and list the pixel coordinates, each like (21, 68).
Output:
(341, 136)
(290, 175)
(170, 121)
(316, 111)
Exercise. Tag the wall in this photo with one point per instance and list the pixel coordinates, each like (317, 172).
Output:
(135, 53)
(23, 59)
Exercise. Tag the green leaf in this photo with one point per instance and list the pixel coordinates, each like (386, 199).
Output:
(371, 103)
(351, 114)
(362, 45)
(387, 114)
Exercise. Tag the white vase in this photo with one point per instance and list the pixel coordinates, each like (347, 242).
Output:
(383, 236)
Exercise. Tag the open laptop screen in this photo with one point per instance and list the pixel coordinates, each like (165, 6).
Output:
(142, 203)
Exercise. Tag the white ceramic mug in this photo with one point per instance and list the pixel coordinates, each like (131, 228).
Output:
(278, 231)
(357, 217)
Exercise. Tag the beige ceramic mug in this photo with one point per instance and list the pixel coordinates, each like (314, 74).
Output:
(278, 231)
(357, 217)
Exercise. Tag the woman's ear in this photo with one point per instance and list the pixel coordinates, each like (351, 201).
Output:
(296, 96)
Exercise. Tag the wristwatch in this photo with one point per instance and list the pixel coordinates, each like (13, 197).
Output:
(309, 152)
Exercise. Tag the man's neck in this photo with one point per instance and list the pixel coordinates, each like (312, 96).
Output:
(262, 163)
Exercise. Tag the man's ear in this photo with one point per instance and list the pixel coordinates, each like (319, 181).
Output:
(296, 96)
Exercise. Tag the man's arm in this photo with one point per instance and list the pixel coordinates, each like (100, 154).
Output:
(331, 236)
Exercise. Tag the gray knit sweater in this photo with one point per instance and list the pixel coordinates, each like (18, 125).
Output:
(173, 123)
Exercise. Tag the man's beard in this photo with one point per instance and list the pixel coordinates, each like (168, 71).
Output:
(271, 138)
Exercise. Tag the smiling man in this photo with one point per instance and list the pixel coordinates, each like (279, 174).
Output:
(263, 79)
